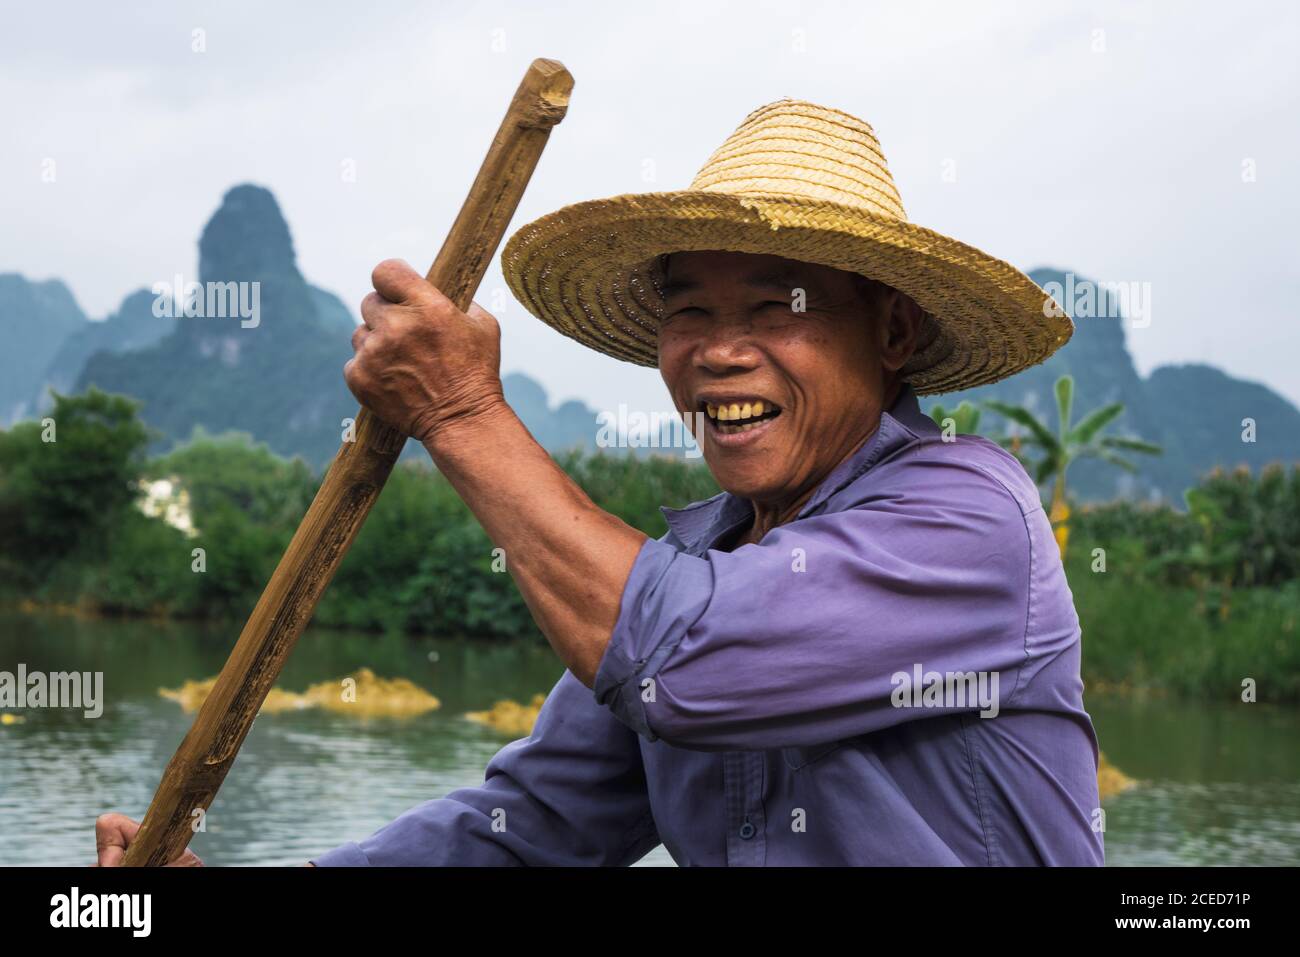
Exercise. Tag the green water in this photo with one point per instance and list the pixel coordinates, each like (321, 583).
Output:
(1220, 784)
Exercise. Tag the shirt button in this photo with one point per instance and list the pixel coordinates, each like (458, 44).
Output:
(747, 831)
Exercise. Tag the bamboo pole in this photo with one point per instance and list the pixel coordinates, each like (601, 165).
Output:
(348, 491)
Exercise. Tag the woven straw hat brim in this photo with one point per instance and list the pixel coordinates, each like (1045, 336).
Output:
(585, 270)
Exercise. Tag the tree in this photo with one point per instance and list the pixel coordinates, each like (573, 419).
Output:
(1070, 442)
(64, 482)
(965, 418)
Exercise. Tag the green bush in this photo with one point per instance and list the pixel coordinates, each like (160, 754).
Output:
(143, 570)
(1141, 634)
(64, 487)
(1240, 530)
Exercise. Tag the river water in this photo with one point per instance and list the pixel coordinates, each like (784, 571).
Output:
(1219, 784)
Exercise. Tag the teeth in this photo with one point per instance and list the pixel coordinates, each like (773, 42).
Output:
(734, 412)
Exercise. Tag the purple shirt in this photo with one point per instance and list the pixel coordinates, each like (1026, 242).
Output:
(892, 678)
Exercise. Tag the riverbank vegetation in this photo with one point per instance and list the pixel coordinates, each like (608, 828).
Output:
(1187, 602)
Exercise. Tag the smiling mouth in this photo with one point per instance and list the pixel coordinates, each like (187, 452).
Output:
(732, 418)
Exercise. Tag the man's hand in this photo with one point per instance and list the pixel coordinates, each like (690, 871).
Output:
(420, 362)
(115, 832)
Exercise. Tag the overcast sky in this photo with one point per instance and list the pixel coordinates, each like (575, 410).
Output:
(1108, 139)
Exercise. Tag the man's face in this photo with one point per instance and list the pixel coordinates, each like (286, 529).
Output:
(786, 394)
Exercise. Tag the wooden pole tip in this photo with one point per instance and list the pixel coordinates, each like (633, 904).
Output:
(544, 93)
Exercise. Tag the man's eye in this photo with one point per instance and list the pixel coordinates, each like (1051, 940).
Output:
(775, 309)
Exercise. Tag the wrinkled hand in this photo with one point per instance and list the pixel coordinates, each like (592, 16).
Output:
(114, 834)
(420, 362)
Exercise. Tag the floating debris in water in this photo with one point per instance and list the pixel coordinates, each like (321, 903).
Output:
(366, 695)
(191, 695)
(511, 717)
(1111, 780)
(362, 694)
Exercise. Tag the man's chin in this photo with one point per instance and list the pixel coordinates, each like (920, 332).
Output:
(746, 486)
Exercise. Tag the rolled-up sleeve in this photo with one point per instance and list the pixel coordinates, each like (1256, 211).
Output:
(573, 793)
(802, 639)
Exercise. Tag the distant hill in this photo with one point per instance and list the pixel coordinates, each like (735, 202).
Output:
(1202, 408)
(36, 319)
(567, 426)
(133, 326)
(281, 380)
(1193, 411)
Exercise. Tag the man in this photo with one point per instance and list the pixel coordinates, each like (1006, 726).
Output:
(864, 651)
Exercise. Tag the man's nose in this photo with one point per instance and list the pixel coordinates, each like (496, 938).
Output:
(728, 345)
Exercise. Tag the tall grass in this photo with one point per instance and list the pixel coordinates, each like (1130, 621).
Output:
(1142, 635)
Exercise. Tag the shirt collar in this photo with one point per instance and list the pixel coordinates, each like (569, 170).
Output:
(698, 526)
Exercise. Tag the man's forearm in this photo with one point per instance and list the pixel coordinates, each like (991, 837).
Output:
(570, 559)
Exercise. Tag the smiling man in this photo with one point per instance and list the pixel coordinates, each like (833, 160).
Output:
(744, 690)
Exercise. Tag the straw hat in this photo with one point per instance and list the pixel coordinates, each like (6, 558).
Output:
(800, 181)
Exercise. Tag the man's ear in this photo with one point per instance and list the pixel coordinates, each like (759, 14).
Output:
(899, 330)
